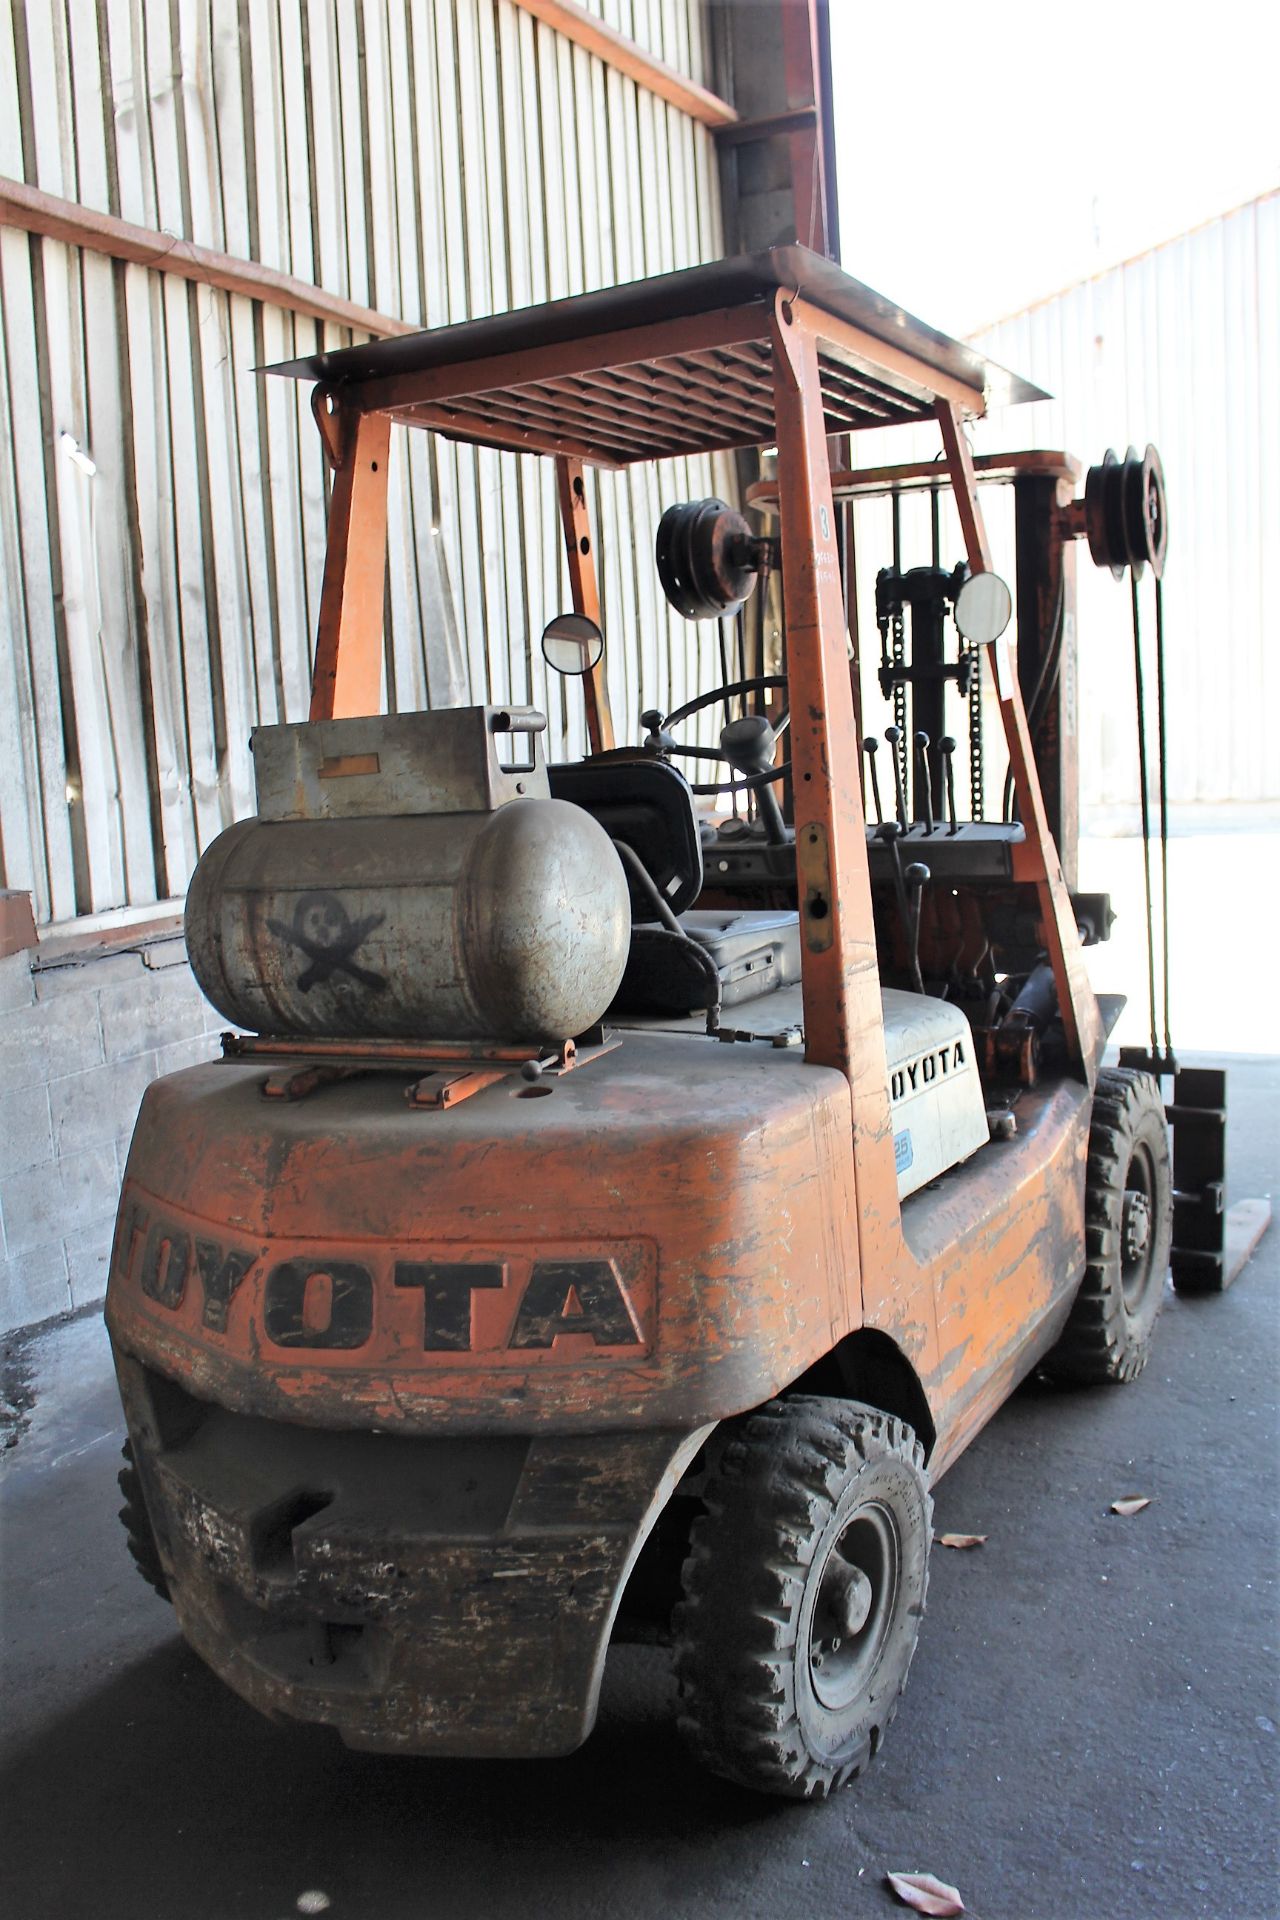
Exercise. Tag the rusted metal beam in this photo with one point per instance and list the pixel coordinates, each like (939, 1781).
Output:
(33, 211)
(839, 975)
(740, 133)
(1046, 590)
(809, 190)
(916, 475)
(1037, 859)
(588, 31)
(866, 354)
(574, 518)
(347, 678)
(484, 430)
(594, 353)
(964, 485)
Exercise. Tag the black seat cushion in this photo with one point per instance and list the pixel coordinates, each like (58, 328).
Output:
(755, 953)
(647, 804)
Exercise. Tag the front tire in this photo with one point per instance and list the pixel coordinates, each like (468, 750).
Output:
(136, 1522)
(804, 1589)
(1128, 1226)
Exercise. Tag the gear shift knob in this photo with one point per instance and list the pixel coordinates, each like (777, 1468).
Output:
(748, 744)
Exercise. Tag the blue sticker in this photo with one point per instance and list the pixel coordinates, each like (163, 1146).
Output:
(902, 1154)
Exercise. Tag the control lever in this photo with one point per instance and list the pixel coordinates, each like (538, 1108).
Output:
(946, 747)
(924, 782)
(889, 833)
(917, 878)
(893, 735)
(871, 746)
(657, 740)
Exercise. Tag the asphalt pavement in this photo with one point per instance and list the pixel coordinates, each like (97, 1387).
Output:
(1090, 1731)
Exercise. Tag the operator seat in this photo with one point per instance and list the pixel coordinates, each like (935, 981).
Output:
(646, 805)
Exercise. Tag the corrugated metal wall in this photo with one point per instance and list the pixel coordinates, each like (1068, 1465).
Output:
(1180, 347)
(435, 159)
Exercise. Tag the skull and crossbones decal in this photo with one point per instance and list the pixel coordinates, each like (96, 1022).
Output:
(328, 938)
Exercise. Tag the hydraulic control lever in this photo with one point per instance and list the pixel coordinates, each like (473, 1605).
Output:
(917, 879)
(871, 746)
(894, 735)
(918, 875)
(946, 747)
(924, 782)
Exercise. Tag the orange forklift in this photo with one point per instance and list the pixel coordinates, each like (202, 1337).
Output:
(611, 1212)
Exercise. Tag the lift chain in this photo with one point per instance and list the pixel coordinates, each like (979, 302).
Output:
(976, 771)
(898, 657)
(899, 660)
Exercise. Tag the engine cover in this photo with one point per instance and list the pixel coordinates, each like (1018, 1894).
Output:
(939, 1115)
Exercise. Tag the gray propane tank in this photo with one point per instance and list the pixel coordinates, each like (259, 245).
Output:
(400, 882)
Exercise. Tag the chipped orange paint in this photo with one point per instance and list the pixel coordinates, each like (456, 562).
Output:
(575, 522)
(733, 1231)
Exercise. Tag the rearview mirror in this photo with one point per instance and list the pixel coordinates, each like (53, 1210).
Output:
(572, 644)
(983, 607)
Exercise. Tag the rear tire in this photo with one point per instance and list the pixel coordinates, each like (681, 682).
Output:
(1128, 1226)
(136, 1522)
(804, 1590)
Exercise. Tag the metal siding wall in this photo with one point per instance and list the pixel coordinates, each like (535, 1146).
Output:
(1180, 347)
(435, 160)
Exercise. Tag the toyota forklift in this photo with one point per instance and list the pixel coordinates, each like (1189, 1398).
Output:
(630, 1184)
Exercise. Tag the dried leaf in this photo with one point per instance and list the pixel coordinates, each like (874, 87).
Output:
(962, 1539)
(925, 1894)
(1130, 1504)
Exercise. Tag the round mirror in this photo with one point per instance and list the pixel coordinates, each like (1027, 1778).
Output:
(572, 644)
(983, 607)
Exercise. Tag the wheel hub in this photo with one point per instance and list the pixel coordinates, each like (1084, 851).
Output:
(1135, 1226)
(853, 1605)
(851, 1597)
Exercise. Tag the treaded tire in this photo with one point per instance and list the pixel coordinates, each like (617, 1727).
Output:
(1109, 1332)
(769, 1698)
(136, 1522)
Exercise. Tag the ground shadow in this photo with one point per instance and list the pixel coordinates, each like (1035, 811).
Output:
(161, 1793)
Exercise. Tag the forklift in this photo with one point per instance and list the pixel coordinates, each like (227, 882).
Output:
(630, 1184)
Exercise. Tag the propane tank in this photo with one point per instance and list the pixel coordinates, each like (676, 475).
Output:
(399, 881)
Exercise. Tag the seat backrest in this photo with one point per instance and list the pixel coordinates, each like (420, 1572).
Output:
(647, 804)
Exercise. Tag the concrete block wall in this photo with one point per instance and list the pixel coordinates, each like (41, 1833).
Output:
(84, 1028)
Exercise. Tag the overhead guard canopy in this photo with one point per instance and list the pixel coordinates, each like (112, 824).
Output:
(674, 365)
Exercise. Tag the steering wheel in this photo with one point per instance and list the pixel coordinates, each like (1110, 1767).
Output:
(746, 744)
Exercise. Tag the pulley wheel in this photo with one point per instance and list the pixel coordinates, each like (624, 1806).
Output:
(1146, 516)
(703, 555)
(1126, 513)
